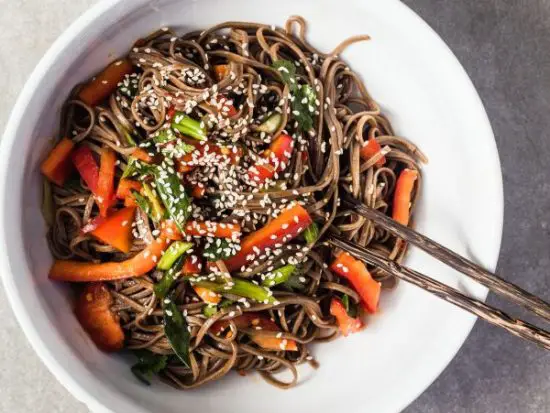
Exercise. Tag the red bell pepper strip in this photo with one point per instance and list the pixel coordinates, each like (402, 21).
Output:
(289, 224)
(208, 296)
(106, 181)
(402, 195)
(57, 167)
(201, 229)
(86, 165)
(274, 159)
(346, 324)
(259, 322)
(140, 264)
(126, 186)
(93, 311)
(260, 173)
(116, 230)
(192, 265)
(105, 83)
(357, 274)
(371, 148)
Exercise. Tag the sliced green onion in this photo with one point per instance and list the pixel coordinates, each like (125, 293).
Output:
(175, 328)
(279, 275)
(271, 124)
(189, 126)
(311, 233)
(241, 288)
(174, 251)
(157, 211)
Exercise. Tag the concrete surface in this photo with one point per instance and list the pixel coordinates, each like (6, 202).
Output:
(503, 44)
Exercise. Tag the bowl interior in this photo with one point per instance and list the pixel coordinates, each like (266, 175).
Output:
(415, 335)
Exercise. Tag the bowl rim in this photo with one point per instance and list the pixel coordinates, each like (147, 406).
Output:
(70, 34)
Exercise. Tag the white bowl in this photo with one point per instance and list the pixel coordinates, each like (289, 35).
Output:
(429, 99)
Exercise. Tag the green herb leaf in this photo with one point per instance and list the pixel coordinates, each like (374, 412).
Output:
(350, 306)
(174, 197)
(304, 95)
(162, 288)
(304, 99)
(148, 364)
(279, 275)
(220, 249)
(174, 251)
(175, 328)
(287, 71)
(311, 233)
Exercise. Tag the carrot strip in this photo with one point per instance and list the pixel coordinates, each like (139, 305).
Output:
(255, 320)
(402, 195)
(105, 83)
(289, 224)
(78, 271)
(357, 274)
(207, 295)
(200, 229)
(57, 166)
(221, 71)
(346, 324)
(370, 149)
(106, 181)
(116, 230)
(93, 311)
(142, 155)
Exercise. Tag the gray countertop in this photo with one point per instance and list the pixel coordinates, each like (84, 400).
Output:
(503, 44)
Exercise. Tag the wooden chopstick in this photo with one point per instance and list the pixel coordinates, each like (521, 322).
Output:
(454, 260)
(492, 315)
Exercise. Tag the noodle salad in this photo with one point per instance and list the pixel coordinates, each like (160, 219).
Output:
(193, 188)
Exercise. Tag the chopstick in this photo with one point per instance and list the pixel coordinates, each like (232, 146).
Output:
(494, 283)
(492, 315)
